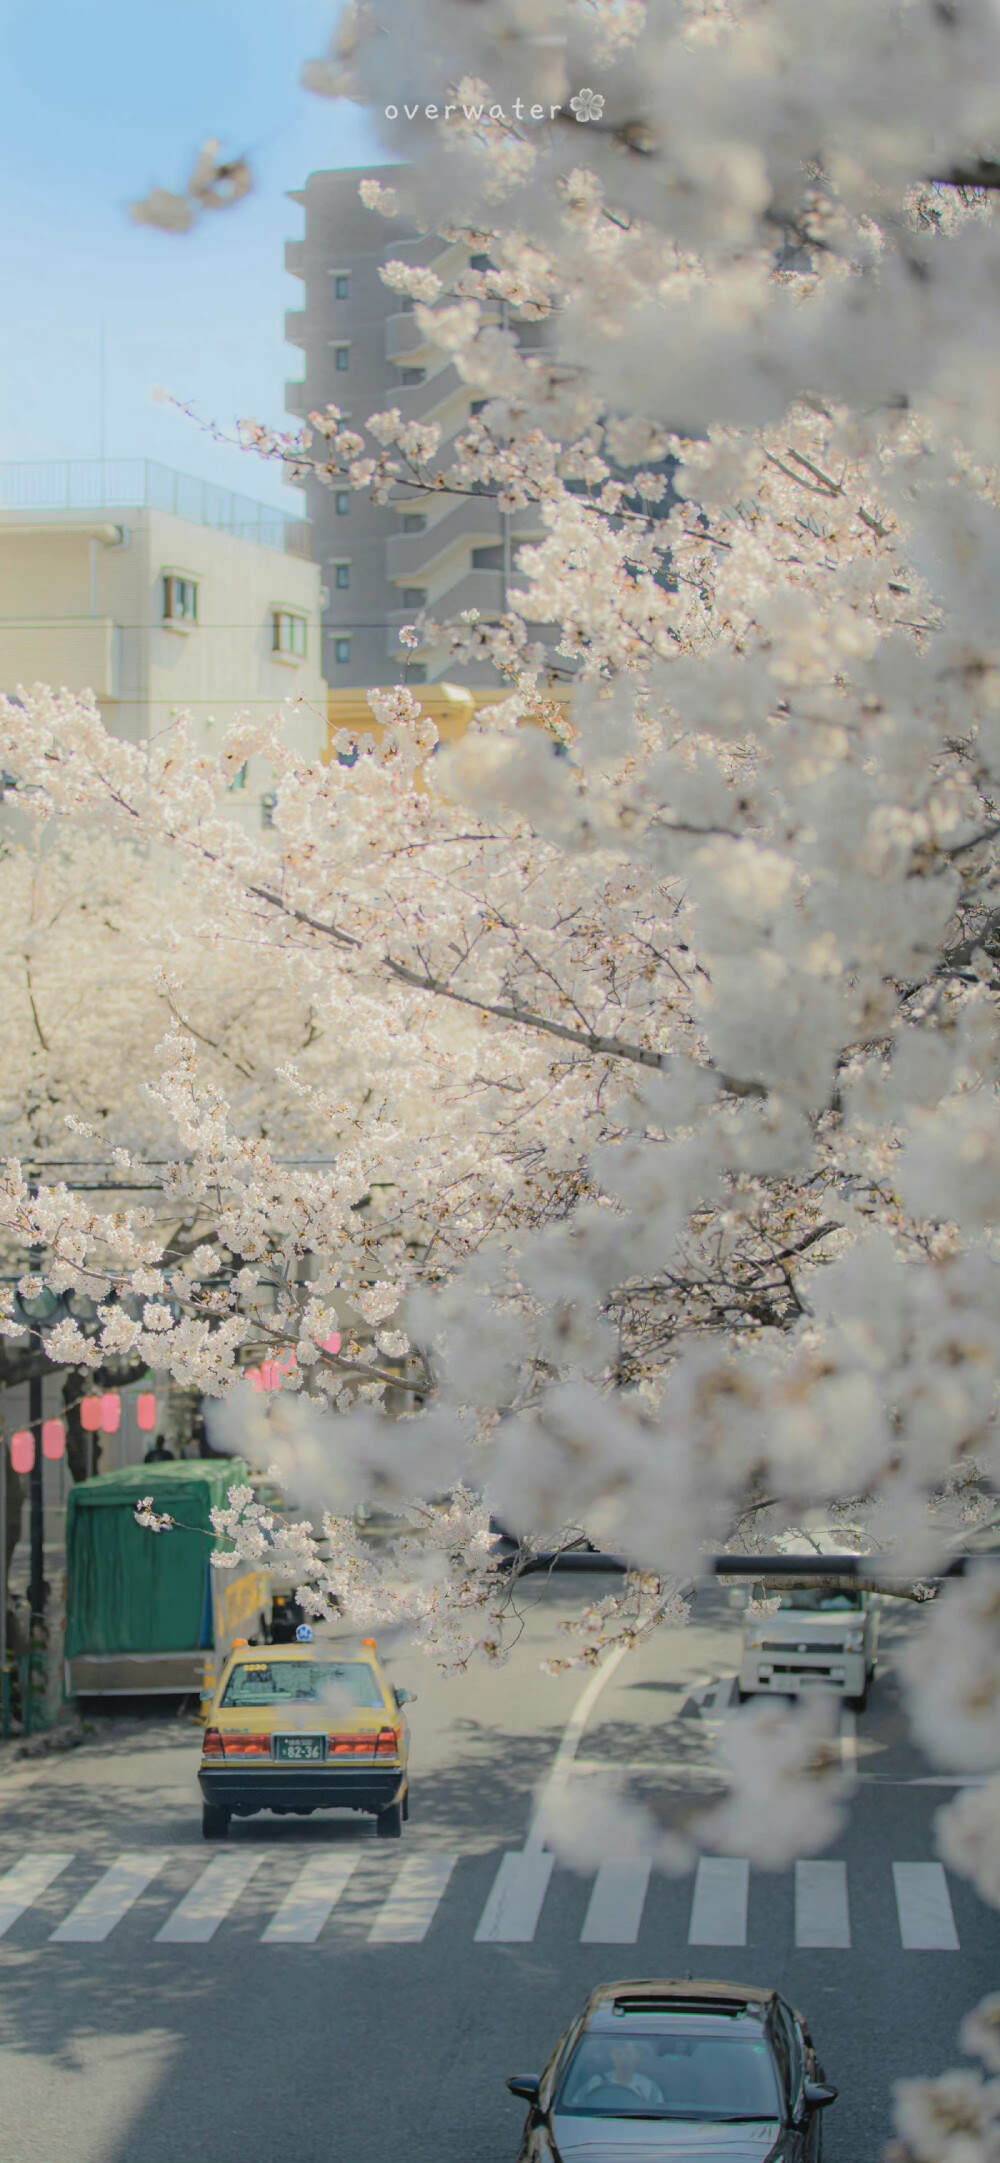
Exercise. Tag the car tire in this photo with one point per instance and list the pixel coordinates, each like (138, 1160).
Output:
(858, 1704)
(214, 1821)
(406, 1806)
(389, 1823)
(743, 1696)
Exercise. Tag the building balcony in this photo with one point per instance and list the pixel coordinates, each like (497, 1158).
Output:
(295, 326)
(475, 519)
(423, 401)
(404, 340)
(295, 258)
(297, 397)
(477, 589)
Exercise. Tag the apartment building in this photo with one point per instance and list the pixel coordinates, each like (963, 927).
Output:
(161, 594)
(363, 351)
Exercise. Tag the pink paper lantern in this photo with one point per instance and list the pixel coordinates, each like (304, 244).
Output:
(22, 1450)
(333, 1344)
(111, 1412)
(90, 1415)
(270, 1374)
(53, 1440)
(145, 1410)
(254, 1376)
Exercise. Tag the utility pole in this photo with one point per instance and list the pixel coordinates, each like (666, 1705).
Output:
(36, 1501)
(36, 1491)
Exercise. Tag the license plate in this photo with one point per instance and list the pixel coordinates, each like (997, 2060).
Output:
(300, 1749)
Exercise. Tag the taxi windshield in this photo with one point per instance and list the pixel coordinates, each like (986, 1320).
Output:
(350, 1683)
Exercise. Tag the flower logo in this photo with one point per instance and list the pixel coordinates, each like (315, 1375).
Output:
(587, 105)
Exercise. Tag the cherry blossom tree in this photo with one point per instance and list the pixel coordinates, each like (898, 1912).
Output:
(663, 1106)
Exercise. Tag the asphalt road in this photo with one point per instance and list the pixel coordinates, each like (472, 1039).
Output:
(363, 2046)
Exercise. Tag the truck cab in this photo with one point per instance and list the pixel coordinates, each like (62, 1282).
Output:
(817, 1637)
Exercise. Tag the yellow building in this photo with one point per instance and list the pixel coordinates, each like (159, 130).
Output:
(450, 705)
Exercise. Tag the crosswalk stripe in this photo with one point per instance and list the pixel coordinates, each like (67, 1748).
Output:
(21, 1885)
(923, 1903)
(515, 1902)
(311, 1899)
(616, 1904)
(719, 1907)
(197, 1917)
(94, 1917)
(822, 1917)
(510, 1916)
(406, 1917)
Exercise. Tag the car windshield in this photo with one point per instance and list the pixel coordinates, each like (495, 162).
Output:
(675, 2074)
(345, 1686)
(825, 1603)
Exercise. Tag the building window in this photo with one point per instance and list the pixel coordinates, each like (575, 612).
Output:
(288, 633)
(480, 262)
(417, 673)
(342, 651)
(239, 780)
(478, 404)
(180, 599)
(414, 522)
(341, 285)
(488, 559)
(342, 502)
(341, 357)
(413, 375)
(414, 596)
(342, 576)
(267, 808)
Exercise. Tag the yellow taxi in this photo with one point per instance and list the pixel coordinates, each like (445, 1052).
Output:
(304, 1727)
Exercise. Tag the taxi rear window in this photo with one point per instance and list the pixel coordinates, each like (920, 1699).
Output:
(346, 1685)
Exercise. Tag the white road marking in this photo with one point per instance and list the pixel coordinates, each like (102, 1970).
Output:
(926, 1922)
(849, 1742)
(713, 1698)
(406, 1917)
(94, 1917)
(719, 1907)
(572, 1737)
(197, 1917)
(311, 1899)
(821, 1911)
(616, 1904)
(511, 1913)
(22, 1884)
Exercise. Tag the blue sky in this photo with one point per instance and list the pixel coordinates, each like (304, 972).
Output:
(101, 102)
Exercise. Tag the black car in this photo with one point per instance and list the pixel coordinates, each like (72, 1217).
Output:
(678, 2072)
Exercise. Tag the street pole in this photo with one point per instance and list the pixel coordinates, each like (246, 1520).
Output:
(4, 1696)
(36, 1500)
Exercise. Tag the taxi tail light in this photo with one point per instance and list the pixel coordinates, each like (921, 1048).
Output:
(352, 1745)
(247, 1746)
(387, 1744)
(212, 1743)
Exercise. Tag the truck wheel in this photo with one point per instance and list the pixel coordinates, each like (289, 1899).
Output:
(214, 1821)
(858, 1704)
(389, 1823)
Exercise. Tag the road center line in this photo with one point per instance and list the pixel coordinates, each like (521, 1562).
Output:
(572, 1738)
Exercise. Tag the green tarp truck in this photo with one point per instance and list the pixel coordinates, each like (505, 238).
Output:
(145, 1611)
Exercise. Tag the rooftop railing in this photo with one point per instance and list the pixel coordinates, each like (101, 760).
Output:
(88, 484)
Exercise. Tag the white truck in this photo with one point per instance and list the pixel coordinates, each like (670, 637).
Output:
(815, 1639)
